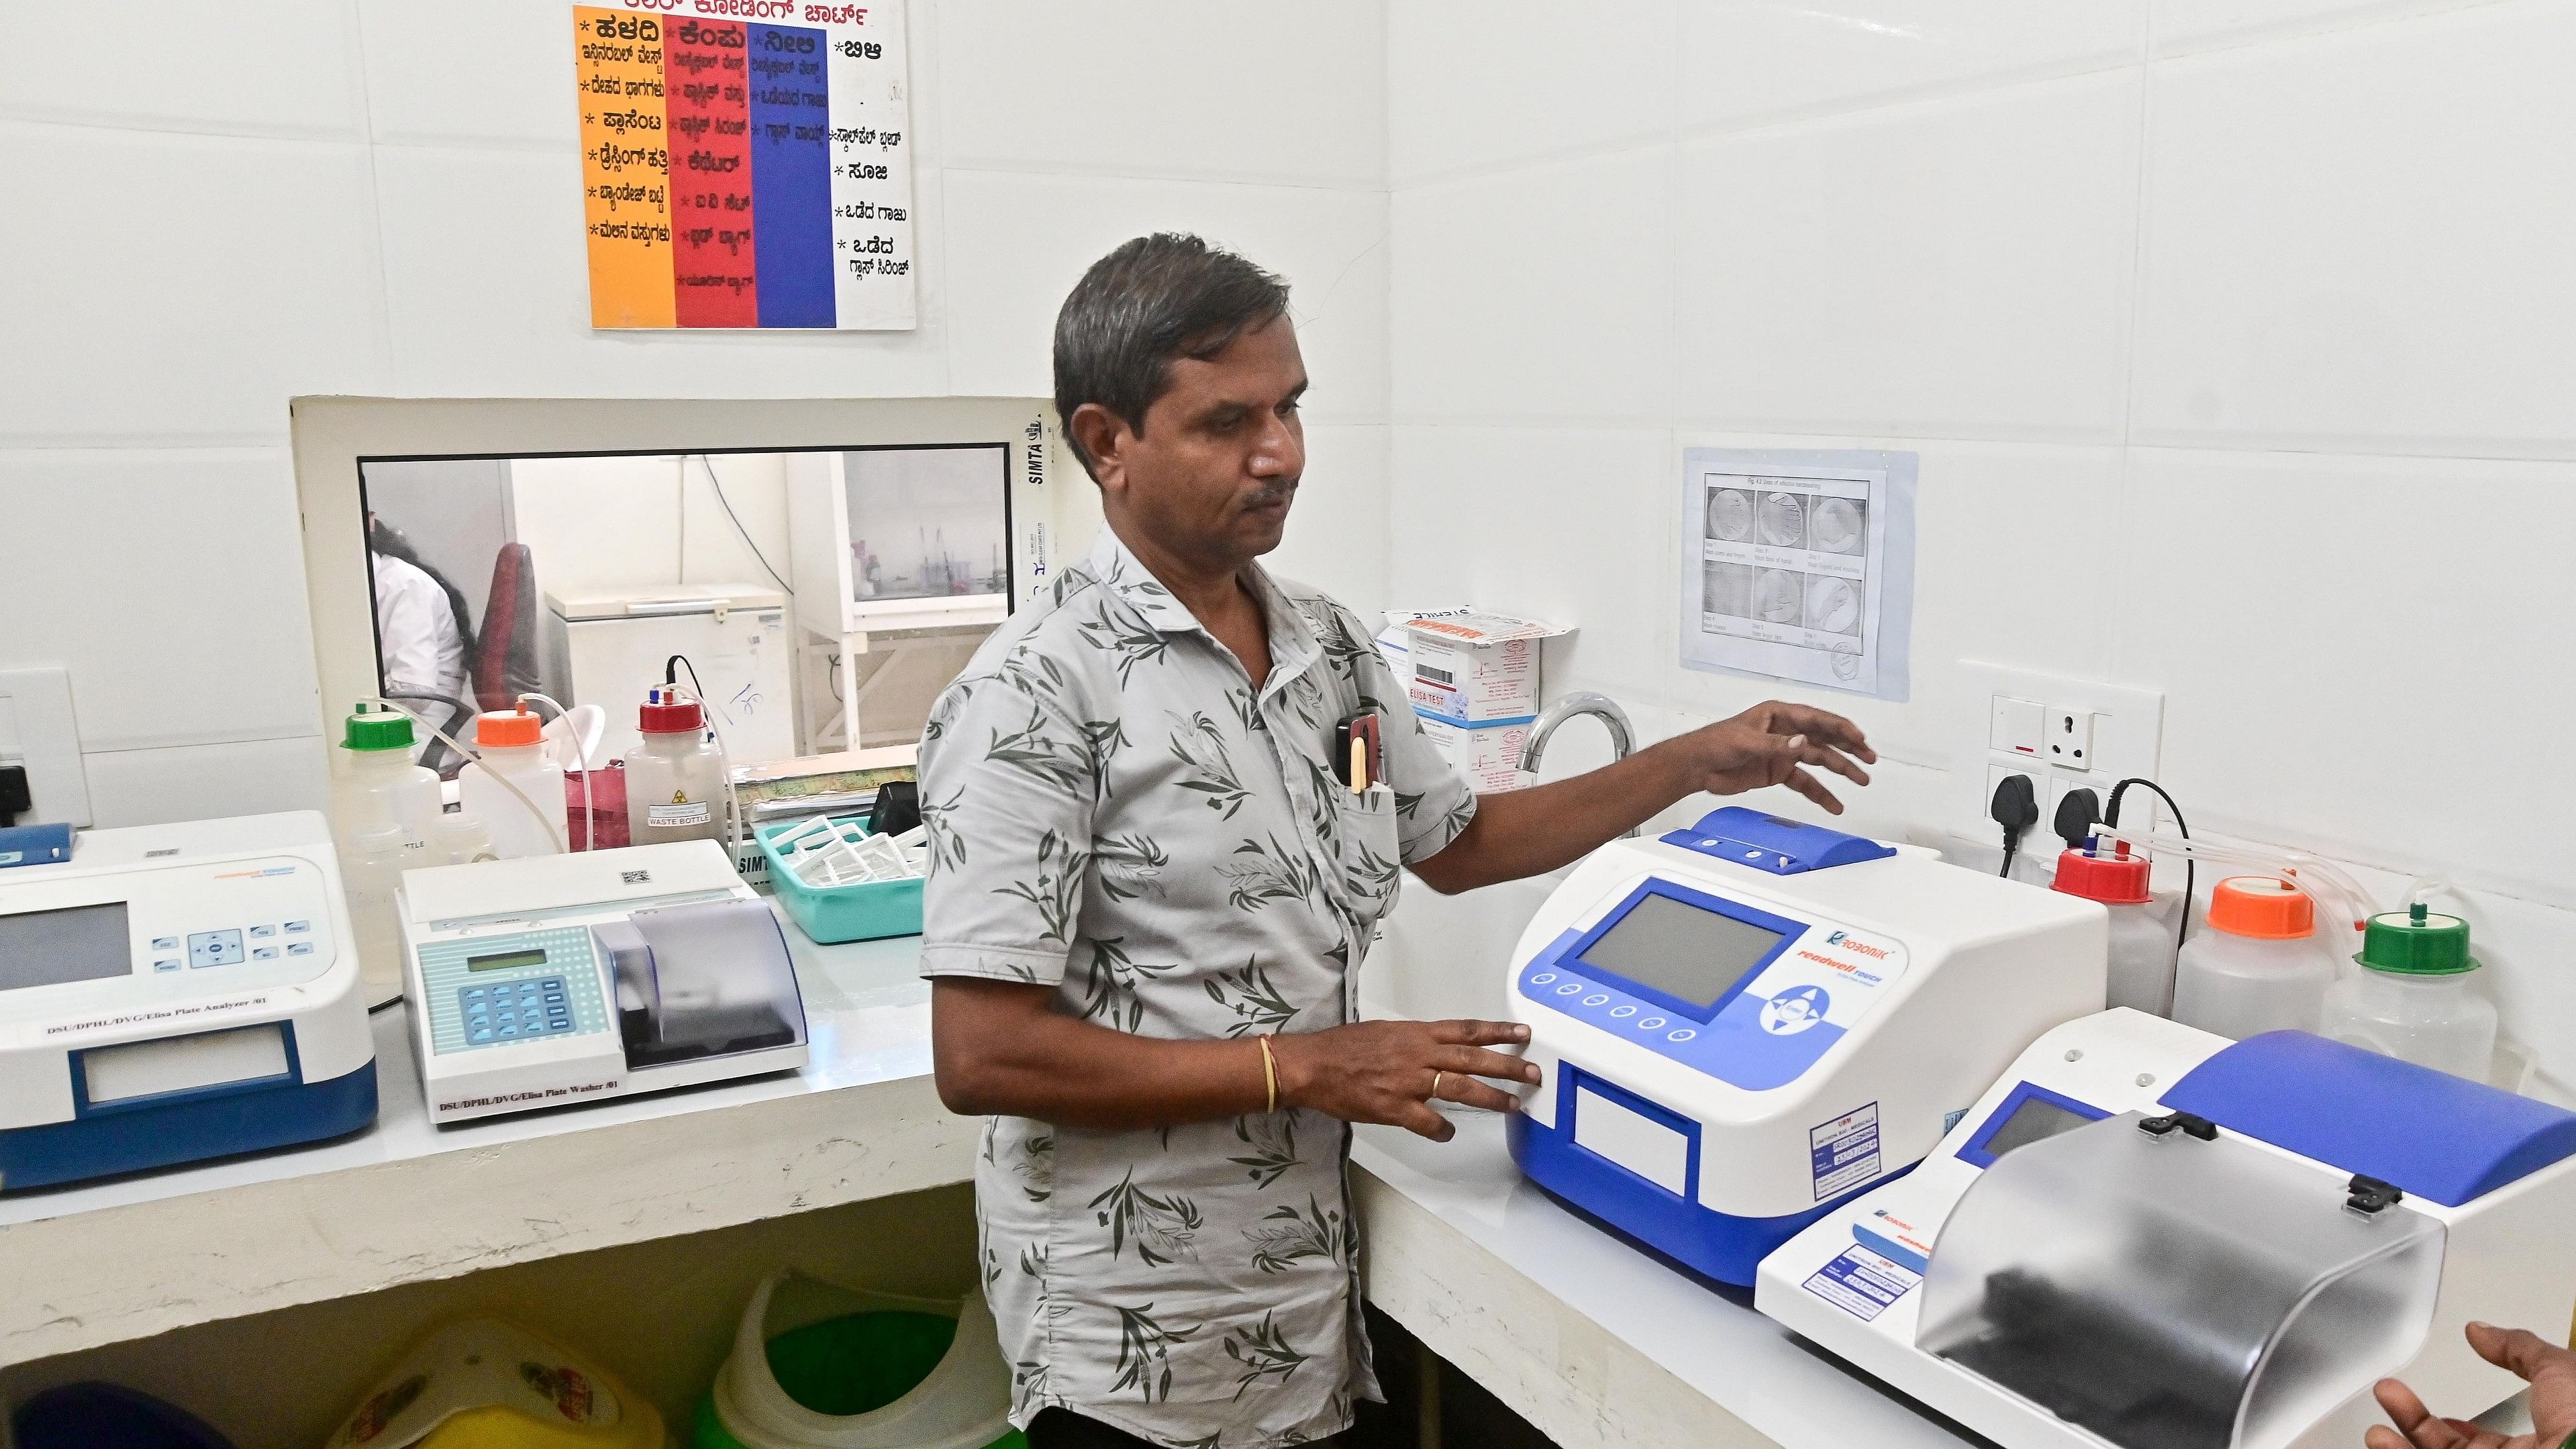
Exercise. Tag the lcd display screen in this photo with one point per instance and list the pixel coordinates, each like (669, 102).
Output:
(2034, 1120)
(77, 943)
(506, 961)
(1686, 952)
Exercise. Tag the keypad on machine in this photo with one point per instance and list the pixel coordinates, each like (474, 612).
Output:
(514, 1010)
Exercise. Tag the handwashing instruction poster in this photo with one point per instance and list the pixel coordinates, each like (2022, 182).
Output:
(745, 163)
(1799, 566)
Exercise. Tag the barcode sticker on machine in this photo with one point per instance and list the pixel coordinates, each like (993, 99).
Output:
(1862, 1283)
(1843, 1153)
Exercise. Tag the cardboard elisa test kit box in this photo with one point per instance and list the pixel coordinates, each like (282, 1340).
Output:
(1473, 677)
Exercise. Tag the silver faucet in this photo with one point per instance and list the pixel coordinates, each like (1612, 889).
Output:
(1599, 706)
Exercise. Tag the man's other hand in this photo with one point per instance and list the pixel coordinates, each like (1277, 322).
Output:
(1773, 744)
(2550, 1370)
(1384, 1071)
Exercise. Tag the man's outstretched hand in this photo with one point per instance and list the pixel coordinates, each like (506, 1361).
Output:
(1773, 744)
(2549, 1369)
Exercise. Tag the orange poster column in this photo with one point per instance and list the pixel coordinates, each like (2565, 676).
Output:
(625, 167)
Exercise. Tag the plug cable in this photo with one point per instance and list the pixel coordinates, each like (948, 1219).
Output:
(2015, 807)
(2190, 867)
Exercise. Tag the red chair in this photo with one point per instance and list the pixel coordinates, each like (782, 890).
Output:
(505, 657)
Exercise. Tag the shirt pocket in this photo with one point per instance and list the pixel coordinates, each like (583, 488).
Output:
(1372, 854)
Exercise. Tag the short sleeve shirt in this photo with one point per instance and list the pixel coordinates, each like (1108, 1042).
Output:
(1115, 813)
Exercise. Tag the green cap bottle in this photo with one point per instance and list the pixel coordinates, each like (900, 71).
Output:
(2416, 942)
(374, 727)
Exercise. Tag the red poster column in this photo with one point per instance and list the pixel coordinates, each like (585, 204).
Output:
(708, 92)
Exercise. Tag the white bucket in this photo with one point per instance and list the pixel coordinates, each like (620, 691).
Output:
(964, 1403)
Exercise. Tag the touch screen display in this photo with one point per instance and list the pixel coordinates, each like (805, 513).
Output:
(77, 943)
(1684, 951)
(2032, 1121)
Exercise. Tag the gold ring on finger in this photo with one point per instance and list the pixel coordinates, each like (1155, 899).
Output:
(1435, 1084)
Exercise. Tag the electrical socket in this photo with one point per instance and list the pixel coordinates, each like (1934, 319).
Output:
(2124, 727)
(38, 730)
(2070, 737)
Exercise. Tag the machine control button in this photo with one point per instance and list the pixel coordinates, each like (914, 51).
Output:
(262, 933)
(1652, 1023)
(298, 928)
(1537, 978)
(263, 953)
(166, 964)
(480, 1034)
(165, 943)
(1623, 1011)
(505, 1031)
(1568, 989)
(299, 948)
(473, 993)
(1596, 999)
(1685, 1034)
(216, 948)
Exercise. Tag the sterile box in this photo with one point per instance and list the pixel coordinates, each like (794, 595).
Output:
(1475, 668)
(1490, 755)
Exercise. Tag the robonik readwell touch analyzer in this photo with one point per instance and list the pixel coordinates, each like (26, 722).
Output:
(1747, 1022)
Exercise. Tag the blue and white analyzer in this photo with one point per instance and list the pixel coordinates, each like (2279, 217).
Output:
(2144, 1236)
(178, 992)
(1745, 1023)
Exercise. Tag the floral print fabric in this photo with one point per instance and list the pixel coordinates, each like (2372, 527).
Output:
(1114, 812)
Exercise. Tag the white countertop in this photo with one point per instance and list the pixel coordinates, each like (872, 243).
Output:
(405, 1200)
(1591, 1339)
(1585, 1335)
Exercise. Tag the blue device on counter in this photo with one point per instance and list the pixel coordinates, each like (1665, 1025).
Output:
(1736, 1031)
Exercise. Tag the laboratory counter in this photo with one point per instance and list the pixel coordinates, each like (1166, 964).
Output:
(1591, 1340)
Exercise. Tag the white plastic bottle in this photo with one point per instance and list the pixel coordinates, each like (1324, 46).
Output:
(675, 777)
(2258, 966)
(511, 744)
(383, 785)
(371, 865)
(2414, 997)
(461, 839)
(2142, 947)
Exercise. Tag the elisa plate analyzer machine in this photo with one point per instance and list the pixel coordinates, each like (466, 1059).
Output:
(560, 979)
(1744, 1023)
(2144, 1236)
(178, 992)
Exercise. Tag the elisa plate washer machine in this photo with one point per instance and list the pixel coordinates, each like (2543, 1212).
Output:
(2144, 1236)
(559, 979)
(1747, 1022)
(178, 992)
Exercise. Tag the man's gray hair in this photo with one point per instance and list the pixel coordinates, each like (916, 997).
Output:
(1154, 299)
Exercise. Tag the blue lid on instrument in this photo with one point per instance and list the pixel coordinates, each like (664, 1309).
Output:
(2438, 1136)
(1769, 843)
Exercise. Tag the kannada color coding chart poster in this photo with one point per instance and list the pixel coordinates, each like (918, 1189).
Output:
(745, 163)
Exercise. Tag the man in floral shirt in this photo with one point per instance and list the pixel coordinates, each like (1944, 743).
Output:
(1153, 882)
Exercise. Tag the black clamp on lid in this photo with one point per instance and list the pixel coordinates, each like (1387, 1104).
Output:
(2189, 1125)
(2370, 1196)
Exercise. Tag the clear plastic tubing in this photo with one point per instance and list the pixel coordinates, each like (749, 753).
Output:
(511, 744)
(675, 776)
(2258, 967)
(2142, 947)
(2415, 997)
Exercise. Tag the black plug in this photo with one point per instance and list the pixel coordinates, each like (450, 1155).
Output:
(17, 797)
(2078, 811)
(2015, 808)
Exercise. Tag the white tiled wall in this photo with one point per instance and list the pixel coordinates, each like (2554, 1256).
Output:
(360, 196)
(2235, 338)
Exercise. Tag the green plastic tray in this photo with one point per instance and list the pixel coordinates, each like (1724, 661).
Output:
(832, 914)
